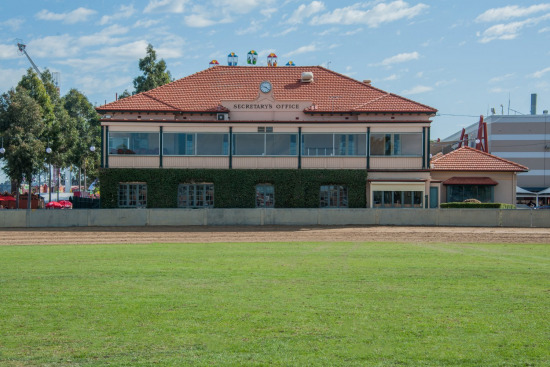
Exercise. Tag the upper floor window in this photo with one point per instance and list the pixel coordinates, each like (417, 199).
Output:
(264, 144)
(333, 196)
(141, 143)
(393, 144)
(132, 195)
(204, 144)
(334, 144)
(196, 195)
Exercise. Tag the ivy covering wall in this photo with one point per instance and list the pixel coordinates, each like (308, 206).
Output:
(235, 188)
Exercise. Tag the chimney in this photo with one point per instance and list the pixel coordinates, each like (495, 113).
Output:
(367, 81)
(533, 104)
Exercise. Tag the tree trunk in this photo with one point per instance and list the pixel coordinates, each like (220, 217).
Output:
(16, 192)
(29, 193)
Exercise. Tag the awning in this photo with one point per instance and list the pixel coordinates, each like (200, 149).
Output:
(523, 192)
(470, 181)
(545, 192)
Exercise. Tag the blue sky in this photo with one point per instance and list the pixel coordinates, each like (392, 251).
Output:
(461, 57)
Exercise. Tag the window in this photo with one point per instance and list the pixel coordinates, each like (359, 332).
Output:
(397, 199)
(334, 144)
(459, 193)
(333, 196)
(202, 144)
(196, 195)
(132, 195)
(409, 144)
(134, 143)
(265, 196)
(264, 144)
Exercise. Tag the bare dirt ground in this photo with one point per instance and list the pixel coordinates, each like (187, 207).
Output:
(191, 234)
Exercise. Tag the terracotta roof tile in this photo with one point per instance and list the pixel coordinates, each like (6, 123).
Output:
(329, 92)
(470, 159)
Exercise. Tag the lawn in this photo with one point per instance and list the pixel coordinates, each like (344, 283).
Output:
(275, 304)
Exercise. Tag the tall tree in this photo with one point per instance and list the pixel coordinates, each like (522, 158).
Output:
(88, 129)
(25, 150)
(154, 73)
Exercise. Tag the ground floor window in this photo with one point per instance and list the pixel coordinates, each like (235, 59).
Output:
(196, 195)
(333, 196)
(397, 199)
(459, 193)
(265, 196)
(132, 195)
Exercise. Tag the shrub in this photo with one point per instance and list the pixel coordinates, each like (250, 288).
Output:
(235, 188)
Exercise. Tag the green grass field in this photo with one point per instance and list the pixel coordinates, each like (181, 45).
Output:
(275, 304)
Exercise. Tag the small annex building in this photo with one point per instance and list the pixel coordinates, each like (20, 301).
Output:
(253, 136)
(468, 173)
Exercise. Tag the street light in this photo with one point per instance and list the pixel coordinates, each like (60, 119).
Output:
(2, 150)
(49, 151)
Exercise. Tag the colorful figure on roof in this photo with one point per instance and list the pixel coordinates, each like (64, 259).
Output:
(213, 63)
(272, 59)
(232, 59)
(290, 63)
(252, 58)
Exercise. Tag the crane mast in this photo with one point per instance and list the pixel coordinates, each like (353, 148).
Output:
(22, 49)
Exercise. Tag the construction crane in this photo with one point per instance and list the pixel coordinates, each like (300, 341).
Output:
(55, 75)
(22, 48)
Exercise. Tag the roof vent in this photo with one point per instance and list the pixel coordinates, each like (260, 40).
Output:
(367, 81)
(307, 77)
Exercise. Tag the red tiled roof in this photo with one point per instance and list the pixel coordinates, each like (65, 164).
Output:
(470, 181)
(470, 159)
(329, 92)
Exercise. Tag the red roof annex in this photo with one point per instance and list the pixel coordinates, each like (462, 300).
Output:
(329, 92)
(470, 159)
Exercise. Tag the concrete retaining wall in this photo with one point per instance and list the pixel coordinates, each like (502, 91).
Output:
(259, 217)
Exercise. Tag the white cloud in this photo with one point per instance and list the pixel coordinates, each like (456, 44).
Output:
(420, 74)
(146, 23)
(498, 79)
(286, 31)
(301, 50)
(104, 37)
(171, 47)
(497, 90)
(8, 52)
(268, 12)
(354, 32)
(13, 23)
(93, 85)
(75, 16)
(400, 58)
(508, 31)
(129, 51)
(511, 11)
(53, 46)
(238, 6)
(165, 6)
(543, 30)
(124, 13)
(417, 90)
(328, 31)
(377, 15)
(198, 21)
(540, 73)
(391, 77)
(305, 11)
(9, 78)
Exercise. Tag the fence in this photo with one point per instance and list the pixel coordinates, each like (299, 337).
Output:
(259, 217)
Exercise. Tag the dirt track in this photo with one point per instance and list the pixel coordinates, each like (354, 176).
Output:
(129, 235)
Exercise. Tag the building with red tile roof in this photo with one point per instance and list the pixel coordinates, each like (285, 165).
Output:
(266, 126)
(468, 173)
